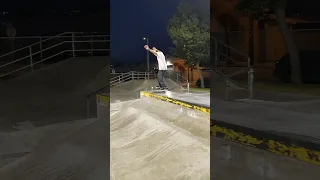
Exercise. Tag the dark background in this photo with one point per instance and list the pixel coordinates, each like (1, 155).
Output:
(130, 20)
(53, 17)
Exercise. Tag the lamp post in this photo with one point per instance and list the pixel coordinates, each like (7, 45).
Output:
(147, 42)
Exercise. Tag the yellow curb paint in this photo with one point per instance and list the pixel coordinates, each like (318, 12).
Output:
(276, 147)
(103, 99)
(177, 102)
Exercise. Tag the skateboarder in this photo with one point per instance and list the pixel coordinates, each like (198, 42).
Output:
(162, 66)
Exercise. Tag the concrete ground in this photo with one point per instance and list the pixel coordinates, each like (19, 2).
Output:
(290, 119)
(235, 161)
(43, 133)
(149, 144)
(145, 143)
(53, 94)
(74, 152)
(295, 118)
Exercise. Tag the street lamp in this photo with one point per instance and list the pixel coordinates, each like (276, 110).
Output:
(147, 42)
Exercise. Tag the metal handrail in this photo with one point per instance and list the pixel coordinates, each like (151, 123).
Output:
(23, 48)
(228, 79)
(178, 77)
(50, 37)
(90, 95)
(229, 47)
(31, 54)
(132, 75)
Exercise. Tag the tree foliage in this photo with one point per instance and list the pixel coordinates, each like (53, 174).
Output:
(189, 31)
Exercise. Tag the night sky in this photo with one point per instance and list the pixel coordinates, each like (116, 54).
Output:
(132, 21)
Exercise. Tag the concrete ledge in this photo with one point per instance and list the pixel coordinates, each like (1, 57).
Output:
(303, 149)
(198, 107)
(103, 99)
(103, 106)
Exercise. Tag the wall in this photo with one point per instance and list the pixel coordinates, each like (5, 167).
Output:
(269, 45)
(189, 73)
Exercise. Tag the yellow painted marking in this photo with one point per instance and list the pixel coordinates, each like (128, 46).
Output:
(105, 100)
(173, 101)
(293, 151)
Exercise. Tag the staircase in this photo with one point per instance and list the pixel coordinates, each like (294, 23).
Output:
(52, 50)
(231, 71)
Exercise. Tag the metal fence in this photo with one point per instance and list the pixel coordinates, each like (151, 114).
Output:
(52, 50)
(119, 78)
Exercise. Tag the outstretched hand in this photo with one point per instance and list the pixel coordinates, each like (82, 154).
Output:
(146, 47)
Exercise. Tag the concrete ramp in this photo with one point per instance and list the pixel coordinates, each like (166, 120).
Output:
(78, 156)
(149, 144)
(68, 75)
(145, 144)
(69, 151)
(53, 94)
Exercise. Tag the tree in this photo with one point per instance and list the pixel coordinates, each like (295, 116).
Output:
(189, 31)
(257, 8)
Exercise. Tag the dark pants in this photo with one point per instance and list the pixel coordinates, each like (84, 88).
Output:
(160, 77)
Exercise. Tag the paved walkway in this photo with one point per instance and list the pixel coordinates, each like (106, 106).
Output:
(289, 118)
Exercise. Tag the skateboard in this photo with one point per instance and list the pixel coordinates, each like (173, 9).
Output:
(158, 90)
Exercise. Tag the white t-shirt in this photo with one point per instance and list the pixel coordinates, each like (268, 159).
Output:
(162, 64)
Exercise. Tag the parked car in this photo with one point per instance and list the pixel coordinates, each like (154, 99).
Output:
(310, 67)
(206, 82)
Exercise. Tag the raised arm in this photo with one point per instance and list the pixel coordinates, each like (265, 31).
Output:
(152, 51)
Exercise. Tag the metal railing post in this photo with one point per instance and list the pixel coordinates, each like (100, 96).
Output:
(250, 82)
(132, 75)
(41, 57)
(91, 46)
(31, 60)
(145, 75)
(120, 78)
(227, 89)
(148, 75)
(73, 46)
(188, 87)
(177, 78)
(88, 106)
(215, 53)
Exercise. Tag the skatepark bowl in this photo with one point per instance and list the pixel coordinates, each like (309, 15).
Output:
(154, 139)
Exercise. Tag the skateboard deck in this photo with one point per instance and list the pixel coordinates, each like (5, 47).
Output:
(159, 91)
